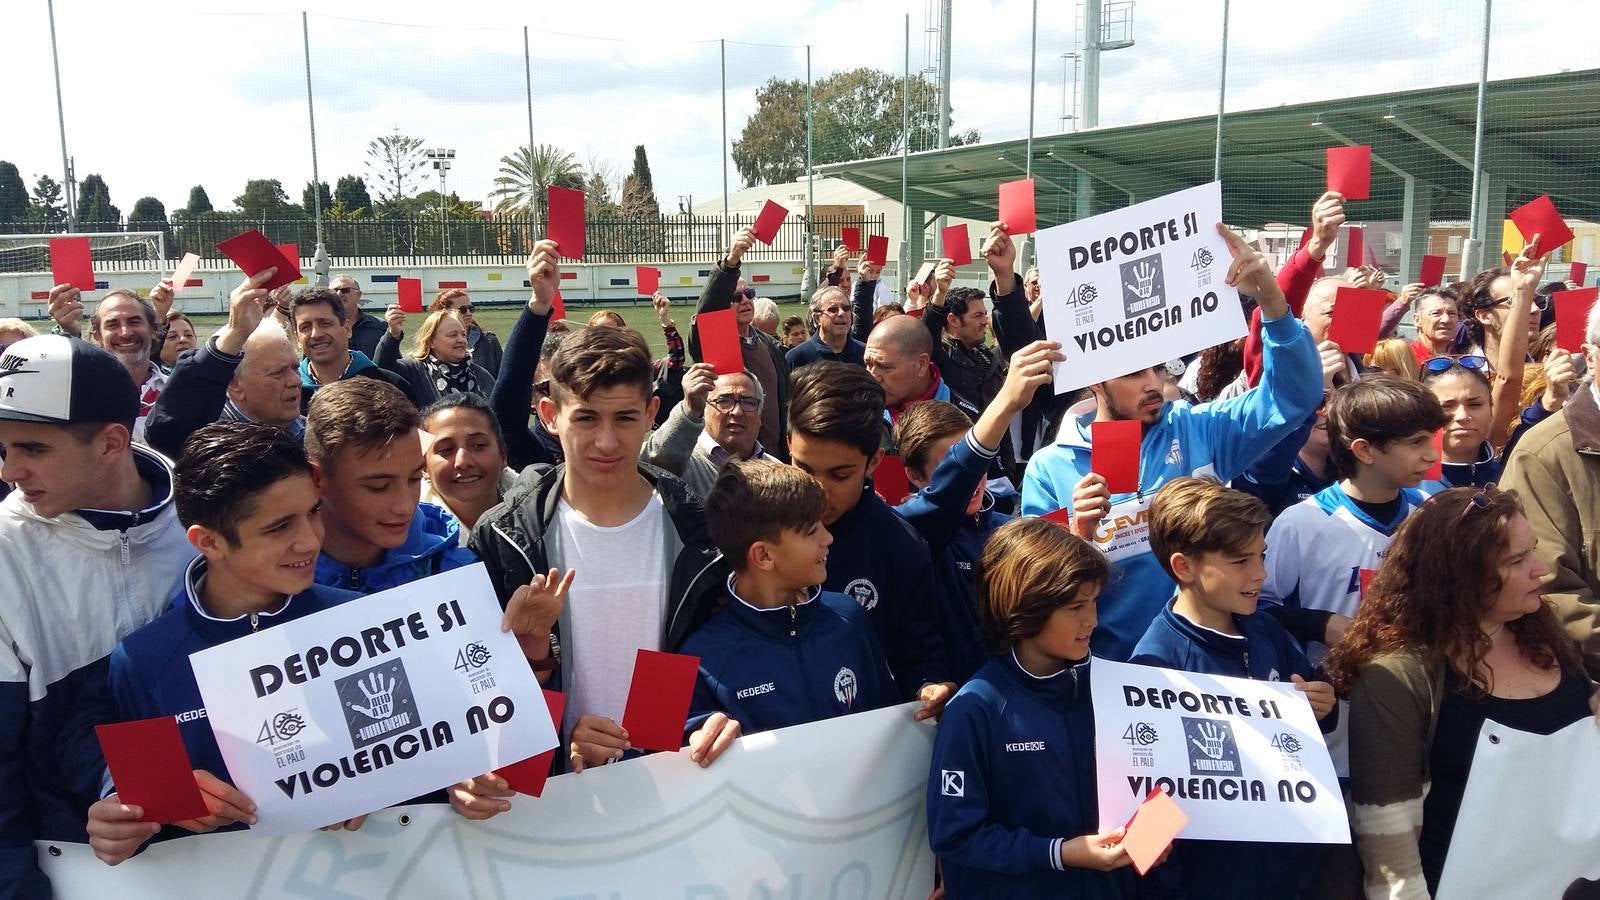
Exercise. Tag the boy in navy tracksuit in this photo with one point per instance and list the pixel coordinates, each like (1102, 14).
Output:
(1012, 809)
(782, 651)
(877, 559)
(947, 459)
(1211, 540)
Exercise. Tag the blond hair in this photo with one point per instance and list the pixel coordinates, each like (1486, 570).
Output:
(1394, 356)
(430, 325)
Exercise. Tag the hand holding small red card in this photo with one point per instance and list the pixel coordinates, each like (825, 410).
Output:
(851, 239)
(1432, 274)
(180, 275)
(768, 222)
(151, 769)
(648, 279)
(1572, 316)
(1577, 272)
(1016, 207)
(410, 290)
(1154, 825)
(658, 699)
(71, 262)
(1539, 217)
(566, 221)
(1355, 247)
(1357, 319)
(1062, 517)
(1350, 171)
(878, 249)
(528, 777)
(558, 310)
(253, 254)
(1114, 453)
(890, 482)
(1436, 471)
(719, 341)
(957, 246)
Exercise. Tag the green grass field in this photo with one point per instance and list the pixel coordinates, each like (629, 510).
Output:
(497, 320)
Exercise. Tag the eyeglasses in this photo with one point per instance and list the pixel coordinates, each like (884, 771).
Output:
(835, 310)
(726, 403)
(1442, 364)
(465, 307)
(346, 290)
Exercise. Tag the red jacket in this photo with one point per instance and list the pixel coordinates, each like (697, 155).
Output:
(1295, 280)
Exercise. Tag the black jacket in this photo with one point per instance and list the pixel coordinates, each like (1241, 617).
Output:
(718, 295)
(415, 372)
(486, 350)
(365, 332)
(194, 397)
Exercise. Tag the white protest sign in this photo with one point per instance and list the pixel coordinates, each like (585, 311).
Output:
(1243, 758)
(828, 810)
(1139, 286)
(372, 702)
(1527, 828)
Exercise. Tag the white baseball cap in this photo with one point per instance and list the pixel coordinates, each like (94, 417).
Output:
(62, 380)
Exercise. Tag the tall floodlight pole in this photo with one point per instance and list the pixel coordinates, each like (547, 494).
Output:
(905, 151)
(527, 74)
(946, 18)
(1222, 95)
(722, 46)
(1472, 249)
(61, 121)
(811, 191)
(320, 264)
(1033, 74)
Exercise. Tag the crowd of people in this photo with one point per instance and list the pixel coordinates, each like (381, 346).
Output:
(168, 494)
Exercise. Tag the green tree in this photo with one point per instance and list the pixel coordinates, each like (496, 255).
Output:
(13, 196)
(95, 211)
(527, 174)
(323, 194)
(392, 160)
(47, 211)
(351, 191)
(856, 115)
(148, 215)
(639, 190)
(198, 201)
(263, 198)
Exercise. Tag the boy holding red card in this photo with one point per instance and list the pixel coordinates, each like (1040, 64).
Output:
(92, 549)
(782, 651)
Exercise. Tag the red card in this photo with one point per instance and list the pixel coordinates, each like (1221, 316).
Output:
(1539, 216)
(648, 278)
(180, 275)
(528, 777)
(890, 481)
(719, 341)
(767, 223)
(658, 699)
(1355, 248)
(1151, 830)
(410, 294)
(151, 769)
(253, 253)
(851, 239)
(1357, 318)
(1366, 581)
(290, 252)
(1577, 272)
(70, 262)
(1432, 274)
(957, 246)
(878, 249)
(566, 221)
(1114, 453)
(1572, 316)
(1436, 471)
(916, 313)
(1016, 207)
(1062, 517)
(558, 310)
(1350, 171)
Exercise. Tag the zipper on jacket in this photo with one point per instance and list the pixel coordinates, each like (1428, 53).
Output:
(122, 539)
(255, 623)
(1074, 671)
(1247, 665)
(794, 613)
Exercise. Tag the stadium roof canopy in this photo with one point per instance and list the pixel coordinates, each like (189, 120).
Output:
(1542, 137)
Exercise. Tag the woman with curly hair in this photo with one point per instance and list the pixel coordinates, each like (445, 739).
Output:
(1445, 640)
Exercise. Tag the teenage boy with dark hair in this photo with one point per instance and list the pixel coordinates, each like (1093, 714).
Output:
(642, 570)
(781, 651)
(877, 559)
(1212, 542)
(362, 437)
(319, 320)
(1380, 436)
(91, 549)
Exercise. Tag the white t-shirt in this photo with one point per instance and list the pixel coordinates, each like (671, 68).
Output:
(616, 605)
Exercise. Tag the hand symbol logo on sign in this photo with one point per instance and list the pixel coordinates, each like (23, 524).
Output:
(1145, 276)
(1211, 740)
(380, 697)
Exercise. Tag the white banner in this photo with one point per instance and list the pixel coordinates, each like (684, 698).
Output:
(1129, 289)
(834, 809)
(373, 702)
(1527, 829)
(1243, 758)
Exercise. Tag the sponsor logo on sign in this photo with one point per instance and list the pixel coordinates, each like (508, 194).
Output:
(1211, 746)
(1144, 285)
(377, 702)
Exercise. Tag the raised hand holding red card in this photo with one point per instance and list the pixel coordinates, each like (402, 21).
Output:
(878, 249)
(1350, 172)
(71, 262)
(150, 769)
(566, 221)
(648, 278)
(851, 239)
(769, 221)
(1432, 274)
(719, 341)
(658, 699)
(410, 294)
(1357, 319)
(1539, 217)
(254, 254)
(957, 245)
(1016, 207)
(1572, 317)
(528, 777)
(1114, 453)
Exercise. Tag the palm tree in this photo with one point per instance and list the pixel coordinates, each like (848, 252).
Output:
(526, 175)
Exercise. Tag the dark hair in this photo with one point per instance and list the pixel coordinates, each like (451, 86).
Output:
(311, 296)
(1379, 409)
(792, 321)
(837, 401)
(595, 358)
(444, 299)
(758, 500)
(1031, 568)
(1472, 296)
(1219, 367)
(145, 307)
(958, 302)
(466, 401)
(885, 311)
(225, 466)
(1199, 515)
(1428, 601)
(922, 425)
(356, 413)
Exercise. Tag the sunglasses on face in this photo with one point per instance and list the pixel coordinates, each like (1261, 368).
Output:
(1442, 364)
(345, 290)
